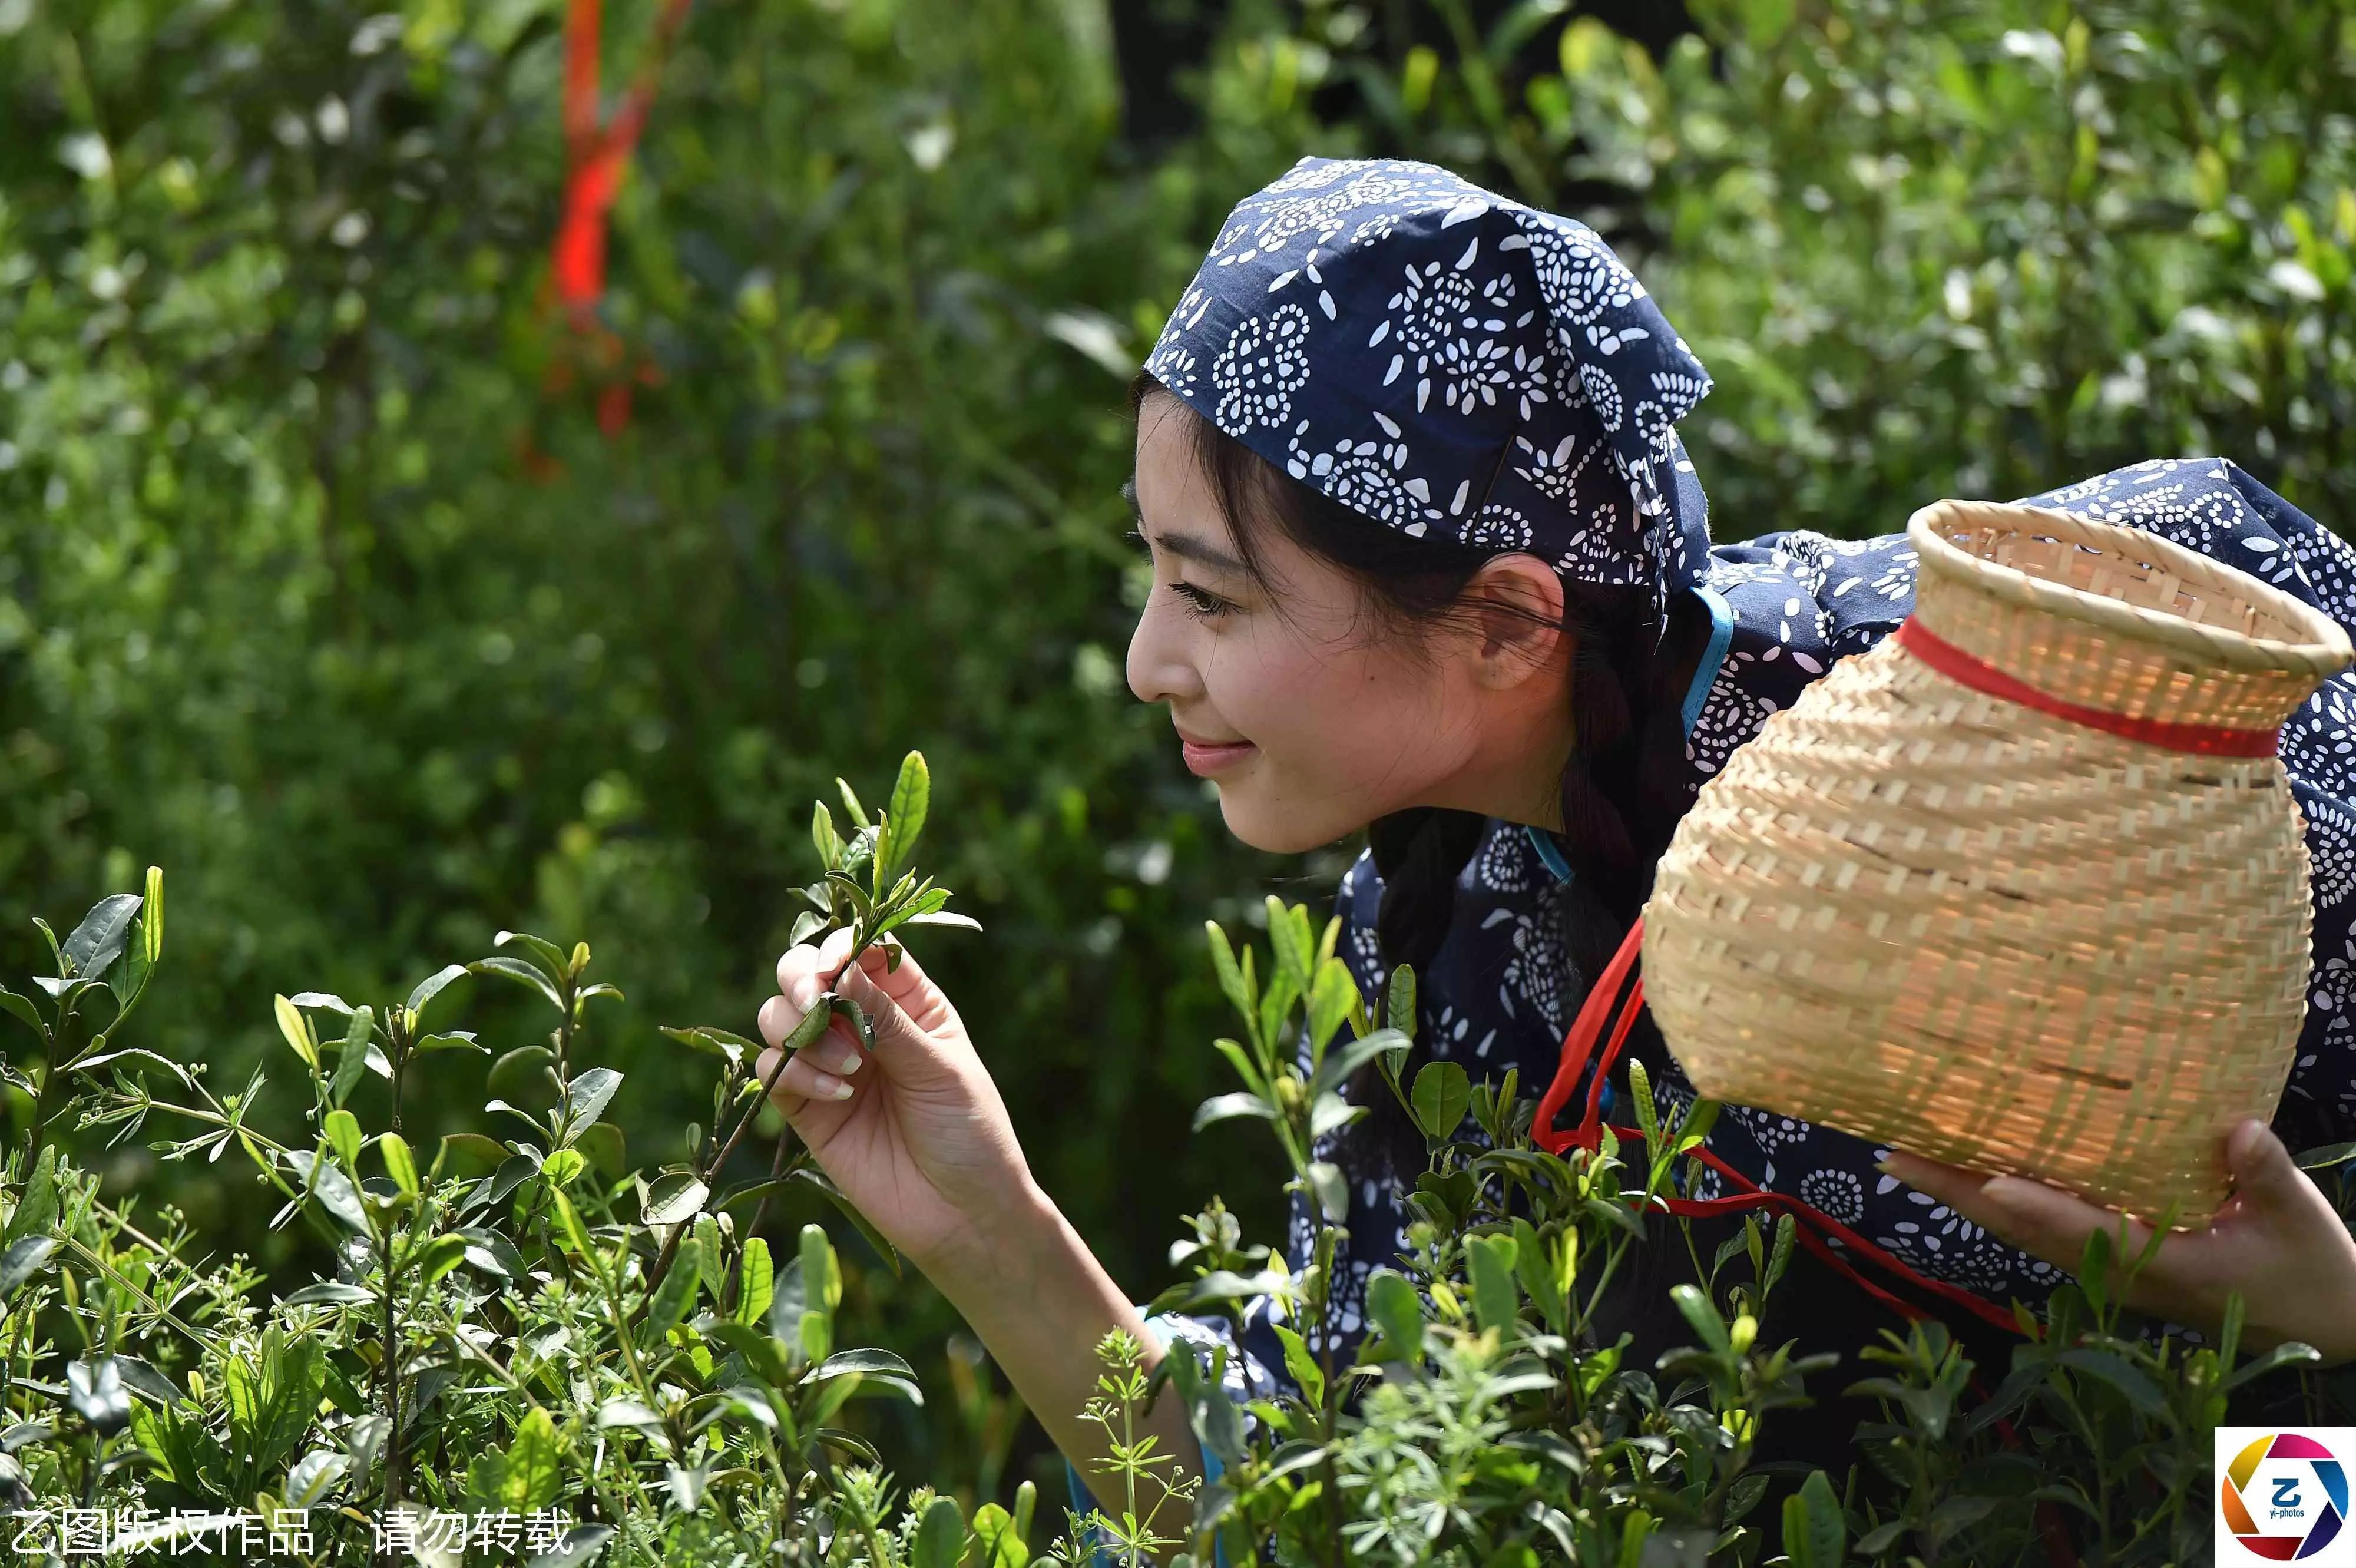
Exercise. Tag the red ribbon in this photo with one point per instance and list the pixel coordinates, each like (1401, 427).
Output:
(2205, 740)
(595, 156)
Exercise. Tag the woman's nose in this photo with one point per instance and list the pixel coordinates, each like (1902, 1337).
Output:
(1158, 667)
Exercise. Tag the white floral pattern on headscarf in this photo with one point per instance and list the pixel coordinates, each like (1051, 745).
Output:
(1448, 362)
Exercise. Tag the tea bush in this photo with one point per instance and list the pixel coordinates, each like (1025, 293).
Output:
(525, 1349)
(321, 583)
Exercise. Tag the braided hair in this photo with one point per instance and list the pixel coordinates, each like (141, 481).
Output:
(1623, 789)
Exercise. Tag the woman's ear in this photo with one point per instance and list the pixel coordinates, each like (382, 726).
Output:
(1514, 608)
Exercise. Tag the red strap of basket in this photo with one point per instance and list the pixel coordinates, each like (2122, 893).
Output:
(1816, 1230)
(1578, 1048)
(2205, 740)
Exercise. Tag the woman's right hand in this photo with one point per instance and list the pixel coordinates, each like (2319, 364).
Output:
(914, 1135)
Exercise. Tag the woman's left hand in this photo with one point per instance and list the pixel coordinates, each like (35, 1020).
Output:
(2276, 1241)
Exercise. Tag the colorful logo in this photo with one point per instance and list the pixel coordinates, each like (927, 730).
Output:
(2283, 1494)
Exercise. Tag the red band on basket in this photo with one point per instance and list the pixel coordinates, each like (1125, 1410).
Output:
(2205, 740)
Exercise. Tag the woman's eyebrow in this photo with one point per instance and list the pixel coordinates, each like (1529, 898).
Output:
(1185, 546)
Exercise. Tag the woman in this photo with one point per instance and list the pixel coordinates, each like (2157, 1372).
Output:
(1430, 561)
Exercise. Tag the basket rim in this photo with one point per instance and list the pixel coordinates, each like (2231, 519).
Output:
(2325, 652)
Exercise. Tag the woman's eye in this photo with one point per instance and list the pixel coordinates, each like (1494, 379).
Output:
(1199, 603)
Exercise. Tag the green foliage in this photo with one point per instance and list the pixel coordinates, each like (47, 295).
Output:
(498, 1332)
(1940, 247)
(320, 583)
(1485, 1418)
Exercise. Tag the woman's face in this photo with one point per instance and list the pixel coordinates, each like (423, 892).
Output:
(1313, 716)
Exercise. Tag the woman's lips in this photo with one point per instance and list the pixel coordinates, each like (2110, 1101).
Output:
(1206, 760)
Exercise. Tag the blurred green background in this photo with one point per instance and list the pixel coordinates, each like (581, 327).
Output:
(323, 585)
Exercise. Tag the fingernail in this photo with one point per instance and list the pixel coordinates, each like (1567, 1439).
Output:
(844, 1061)
(2003, 1192)
(826, 1086)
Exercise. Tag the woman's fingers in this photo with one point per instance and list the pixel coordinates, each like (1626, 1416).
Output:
(2266, 1179)
(801, 1080)
(2028, 1215)
(810, 960)
(834, 1051)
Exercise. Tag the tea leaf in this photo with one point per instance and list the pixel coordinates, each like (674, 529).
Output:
(517, 1074)
(941, 1536)
(100, 938)
(1815, 1535)
(522, 973)
(296, 1030)
(1001, 1540)
(438, 1256)
(826, 841)
(1223, 961)
(1302, 1365)
(151, 925)
(2132, 1385)
(850, 804)
(945, 917)
(330, 1292)
(1702, 1314)
(735, 1049)
(399, 1162)
(542, 953)
(1225, 1107)
(534, 1476)
(97, 1395)
(1329, 1004)
(333, 1189)
(1333, 1189)
(756, 1282)
(880, 1367)
(578, 1548)
(1331, 1111)
(354, 1060)
(23, 1009)
(1393, 1304)
(343, 1129)
(818, 1178)
(687, 1484)
(912, 797)
(313, 1474)
(1442, 1094)
(1339, 1064)
(675, 1197)
(1533, 1267)
(432, 985)
(586, 1097)
(676, 1294)
(1398, 1003)
(1289, 940)
(22, 1262)
(1490, 1261)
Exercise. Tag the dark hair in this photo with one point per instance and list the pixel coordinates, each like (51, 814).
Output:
(1623, 791)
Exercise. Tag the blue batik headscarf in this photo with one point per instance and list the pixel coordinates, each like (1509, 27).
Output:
(1449, 362)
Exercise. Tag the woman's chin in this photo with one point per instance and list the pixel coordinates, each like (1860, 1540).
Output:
(1278, 832)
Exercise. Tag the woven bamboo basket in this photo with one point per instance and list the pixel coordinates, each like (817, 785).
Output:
(1944, 903)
